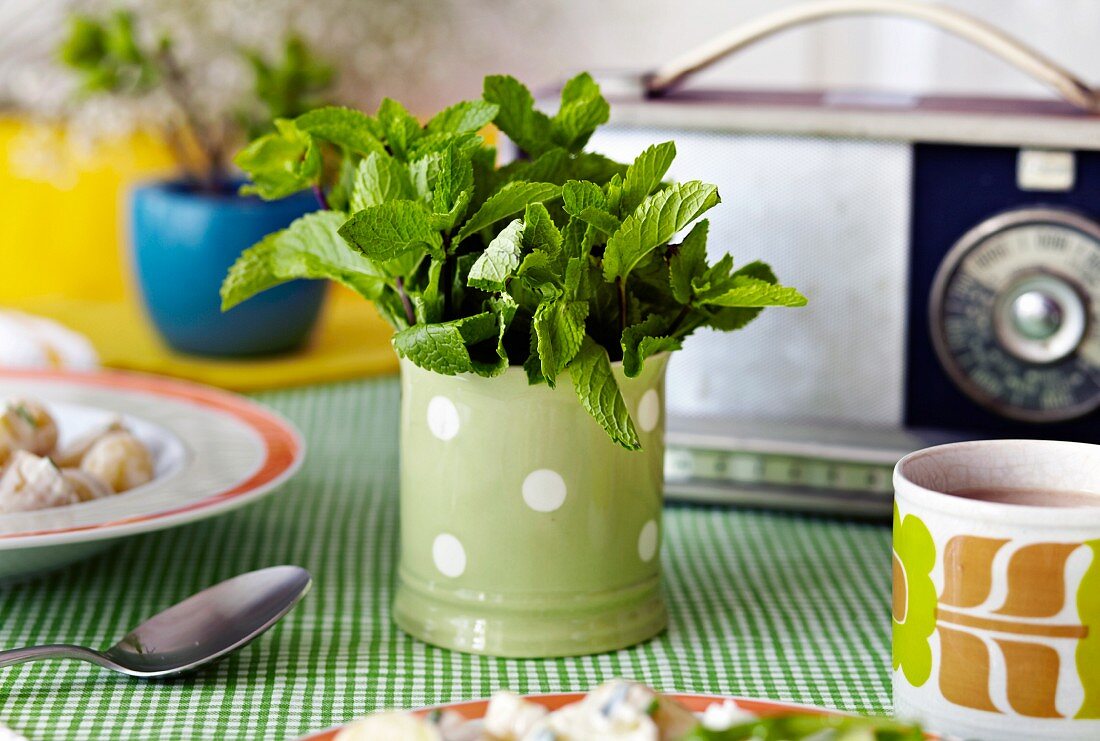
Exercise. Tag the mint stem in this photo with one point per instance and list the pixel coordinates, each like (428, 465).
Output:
(679, 318)
(622, 303)
(409, 313)
(317, 191)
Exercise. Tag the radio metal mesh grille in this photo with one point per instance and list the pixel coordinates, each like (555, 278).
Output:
(832, 217)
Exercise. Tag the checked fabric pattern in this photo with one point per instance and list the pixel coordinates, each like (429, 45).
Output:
(766, 605)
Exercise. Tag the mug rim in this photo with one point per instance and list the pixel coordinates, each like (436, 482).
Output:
(1066, 518)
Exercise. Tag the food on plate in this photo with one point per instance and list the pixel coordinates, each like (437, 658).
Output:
(71, 455)
(36, 474)
(390, 727)
(31, 482)
(119, 459)
(26, 425)
(86, 486)
(622, 711)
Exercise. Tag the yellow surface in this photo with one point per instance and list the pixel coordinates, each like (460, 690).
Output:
(62, 256)
(62, 202)
(350, 341)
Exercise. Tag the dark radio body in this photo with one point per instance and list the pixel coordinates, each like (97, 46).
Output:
(1004, 362)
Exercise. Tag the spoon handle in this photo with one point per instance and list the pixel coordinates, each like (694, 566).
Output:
(54, 651)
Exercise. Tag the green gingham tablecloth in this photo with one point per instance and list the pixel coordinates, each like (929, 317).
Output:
(762, 604)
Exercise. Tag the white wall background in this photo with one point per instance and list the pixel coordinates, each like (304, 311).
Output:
(430, 52)
(545, 40)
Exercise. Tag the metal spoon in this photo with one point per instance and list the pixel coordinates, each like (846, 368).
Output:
(196, 632)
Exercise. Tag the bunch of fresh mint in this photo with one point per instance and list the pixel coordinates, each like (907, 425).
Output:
(562, 260)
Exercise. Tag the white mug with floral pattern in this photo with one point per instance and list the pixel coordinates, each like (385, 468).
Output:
(996, 606)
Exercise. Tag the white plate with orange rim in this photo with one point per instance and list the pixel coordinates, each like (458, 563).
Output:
(475, 709)
(213, 451)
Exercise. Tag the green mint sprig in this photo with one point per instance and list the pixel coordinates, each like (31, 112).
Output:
(818, 727)
(561, 262)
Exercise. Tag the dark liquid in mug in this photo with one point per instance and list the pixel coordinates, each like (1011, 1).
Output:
(1034, 497)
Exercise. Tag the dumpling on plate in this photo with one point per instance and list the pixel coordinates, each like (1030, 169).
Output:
(31, 482)
(72, 454)
(390, 727)
(86, 486)
(26, 425)
(120, 460)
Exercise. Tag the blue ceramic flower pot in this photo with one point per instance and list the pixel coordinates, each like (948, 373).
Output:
(183, 243)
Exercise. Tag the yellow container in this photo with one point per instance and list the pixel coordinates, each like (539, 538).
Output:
(61, 228)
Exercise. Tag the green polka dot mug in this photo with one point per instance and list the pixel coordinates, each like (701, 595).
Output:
(525, 531)
(996, 604)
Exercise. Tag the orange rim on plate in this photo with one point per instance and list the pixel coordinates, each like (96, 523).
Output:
(474, 709)
(283, 452)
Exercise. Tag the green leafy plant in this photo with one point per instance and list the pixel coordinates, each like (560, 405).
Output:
(563, 261)
(812, 726)
(111, 58)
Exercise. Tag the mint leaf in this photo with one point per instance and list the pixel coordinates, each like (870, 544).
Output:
(424, 172)
(559, 330)
(280, 164)
(749, 292)
(577, 195)
(401, 128)
(447, 220)
(391, 230)
(466, 117)
(596, 167)
(345, 127)
(499, 260)
(729, 319)
(573, 241)
(454, 185)
(576, 283)
(600, 219)
(309, 248)
(582, 109)
(508, 201)
(532, 366)
(428, 304)
(653, 223)
(759, 270)
(643, 340)
(587, 202)
(379, 179)
(425, 144)
(552, 166)
(536, 267)
(445, 348)
(599, 393)
(688, 261)
(505, 309)
(539, 230)
(530, 129)
(646, 173)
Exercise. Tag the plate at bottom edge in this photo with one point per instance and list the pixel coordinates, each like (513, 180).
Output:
(213, 451)
(475, 709)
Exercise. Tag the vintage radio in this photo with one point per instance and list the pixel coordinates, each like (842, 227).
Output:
(950, 249)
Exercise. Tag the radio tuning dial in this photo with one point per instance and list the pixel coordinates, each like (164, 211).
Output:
(1016, 314)
(1036, 315)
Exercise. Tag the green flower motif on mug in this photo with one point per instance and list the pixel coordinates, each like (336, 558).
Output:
(914, 603)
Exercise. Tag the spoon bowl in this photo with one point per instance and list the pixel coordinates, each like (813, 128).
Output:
(194, 633)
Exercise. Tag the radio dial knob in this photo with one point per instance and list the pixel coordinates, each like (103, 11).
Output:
(1015, 314)
(1036, 315)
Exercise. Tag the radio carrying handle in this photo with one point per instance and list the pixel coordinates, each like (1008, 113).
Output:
(667, 77)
